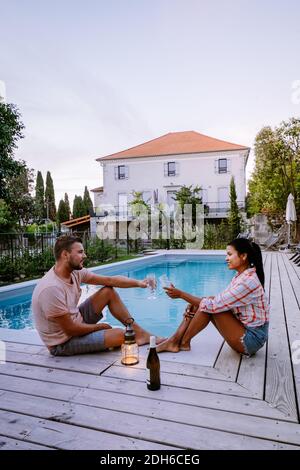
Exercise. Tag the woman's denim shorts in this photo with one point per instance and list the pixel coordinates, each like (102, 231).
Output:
(255, 338)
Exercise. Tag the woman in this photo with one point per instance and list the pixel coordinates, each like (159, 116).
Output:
(240, 312)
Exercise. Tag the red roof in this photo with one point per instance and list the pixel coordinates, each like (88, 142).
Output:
(175, 143)
(97, 190)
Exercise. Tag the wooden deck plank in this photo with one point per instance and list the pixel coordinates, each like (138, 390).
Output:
(228, 362)
(7, 443)
(65, 436)
(279, 378)
(252, 369)
(291, 298)
(92, 363)
(175, 395)
(166, 366)
(195, 383)
(157, 430)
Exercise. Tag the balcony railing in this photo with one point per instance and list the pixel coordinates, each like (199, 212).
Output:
(211, 210)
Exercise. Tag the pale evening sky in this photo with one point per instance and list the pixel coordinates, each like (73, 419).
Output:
(94, 77)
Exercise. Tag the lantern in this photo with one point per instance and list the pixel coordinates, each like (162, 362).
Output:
(130, 349)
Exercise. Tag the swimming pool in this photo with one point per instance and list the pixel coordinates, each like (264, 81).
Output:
(198, 274)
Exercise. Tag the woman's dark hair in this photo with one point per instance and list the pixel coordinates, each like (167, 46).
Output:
(243, 245)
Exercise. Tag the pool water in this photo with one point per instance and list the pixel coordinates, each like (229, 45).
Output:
(198, 275)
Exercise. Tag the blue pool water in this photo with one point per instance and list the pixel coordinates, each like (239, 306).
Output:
(197, 275)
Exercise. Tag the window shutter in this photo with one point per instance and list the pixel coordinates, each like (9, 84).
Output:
(176, 168)
(116, 173)
(126, 172)
(216, 165)
(228, 165)
(165, 169)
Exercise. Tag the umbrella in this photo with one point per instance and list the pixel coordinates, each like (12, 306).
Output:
(290, 215)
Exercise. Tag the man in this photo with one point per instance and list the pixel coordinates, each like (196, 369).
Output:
(67, 328)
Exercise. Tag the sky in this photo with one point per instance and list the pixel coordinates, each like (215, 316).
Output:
(96, 77)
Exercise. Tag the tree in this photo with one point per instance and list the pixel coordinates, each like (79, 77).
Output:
(62, 212)
(50, 197)
(78, 207)
(234, 218)
(277, 169)
(67, 203)
(11, 129)
(21, 203)
(87, 201)
(6, 219)
(189, 195)
(40, 212)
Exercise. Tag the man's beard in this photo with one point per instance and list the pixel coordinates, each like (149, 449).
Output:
(75, 267)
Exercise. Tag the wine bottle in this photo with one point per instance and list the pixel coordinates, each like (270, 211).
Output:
(153, 367)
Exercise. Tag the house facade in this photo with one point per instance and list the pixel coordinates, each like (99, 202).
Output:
(160, 167)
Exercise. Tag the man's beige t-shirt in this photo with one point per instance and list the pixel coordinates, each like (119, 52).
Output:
(53, 297)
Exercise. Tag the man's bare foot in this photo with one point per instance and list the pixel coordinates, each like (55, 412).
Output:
(144, 338)
(168, 346)
(185, 347)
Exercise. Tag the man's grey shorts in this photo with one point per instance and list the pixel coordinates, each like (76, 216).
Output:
(92, 342)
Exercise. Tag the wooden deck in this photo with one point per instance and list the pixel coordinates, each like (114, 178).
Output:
(211, 398)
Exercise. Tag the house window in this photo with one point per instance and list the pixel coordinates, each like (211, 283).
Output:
(121, 172)
(222, 165)
(171, 169)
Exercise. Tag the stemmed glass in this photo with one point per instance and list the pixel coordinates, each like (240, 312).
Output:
(151, 279)
(165, 281)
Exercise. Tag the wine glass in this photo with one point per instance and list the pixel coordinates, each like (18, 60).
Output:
(151, 279)
(165, 281)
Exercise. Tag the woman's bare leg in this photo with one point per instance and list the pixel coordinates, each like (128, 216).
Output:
(198, 323)
(172, 344)
(231, 329)
(226, 323)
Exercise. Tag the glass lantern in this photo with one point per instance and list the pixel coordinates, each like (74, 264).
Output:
(130, 349)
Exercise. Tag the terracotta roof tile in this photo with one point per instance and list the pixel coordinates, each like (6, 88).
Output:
(97, 190)
(175, 143)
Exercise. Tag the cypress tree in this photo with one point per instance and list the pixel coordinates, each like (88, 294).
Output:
(78, 207)
(67, 203)
(39, 202)
(88, 204)
(234, 218)
(62, 213)
(50, 197)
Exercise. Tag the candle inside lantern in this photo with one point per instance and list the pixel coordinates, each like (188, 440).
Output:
(130, 349)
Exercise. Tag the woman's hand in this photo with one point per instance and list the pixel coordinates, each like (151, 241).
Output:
(173, 292)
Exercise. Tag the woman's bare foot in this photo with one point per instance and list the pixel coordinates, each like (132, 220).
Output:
(168, 345)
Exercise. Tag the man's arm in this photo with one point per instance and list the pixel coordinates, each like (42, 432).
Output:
(71, 328)
(114, 281)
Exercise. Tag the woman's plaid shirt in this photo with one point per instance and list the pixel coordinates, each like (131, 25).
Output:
(244, 296)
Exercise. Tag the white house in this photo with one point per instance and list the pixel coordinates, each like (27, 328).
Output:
(161, 166)
(2, 92)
